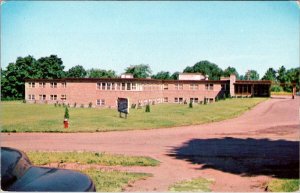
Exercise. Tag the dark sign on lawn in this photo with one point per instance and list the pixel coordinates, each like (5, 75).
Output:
(123, 105)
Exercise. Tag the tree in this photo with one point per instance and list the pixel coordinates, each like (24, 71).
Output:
(282, 75)
(99, 73)
(270, 75)
(67, 116)
(206, 68)
(13, 78)
(293, 76)
(162, 75)
(175, 76)
(51, 67)
(76, 72)
(230, 70)
(139, 71)
(251, 75)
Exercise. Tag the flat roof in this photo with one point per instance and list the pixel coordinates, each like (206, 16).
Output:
(267, 82)
(124, 80)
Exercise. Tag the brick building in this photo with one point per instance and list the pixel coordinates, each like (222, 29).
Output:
(104, 92)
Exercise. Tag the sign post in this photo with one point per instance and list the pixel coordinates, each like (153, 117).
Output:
(123, 106)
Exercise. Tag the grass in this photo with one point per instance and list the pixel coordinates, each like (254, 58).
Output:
(20, 117)
(194, 185)
(284, 185)
(105, 181)
(113, 181)
(43, 158)
(281, 93)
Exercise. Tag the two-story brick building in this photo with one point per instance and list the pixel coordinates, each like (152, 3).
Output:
(104, 92)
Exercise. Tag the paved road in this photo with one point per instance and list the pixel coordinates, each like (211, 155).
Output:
(234, 153)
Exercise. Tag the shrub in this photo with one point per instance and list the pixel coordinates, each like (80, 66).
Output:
(90, 105)
(133, 106)
(205, 100)
(228, 95)
(75, 104)
(191, 104)
(81, 106)
(59, 105)
(147, 108)
(67, 116)
(276, 88)
(217, 98)
(24, 101)
(55, 104)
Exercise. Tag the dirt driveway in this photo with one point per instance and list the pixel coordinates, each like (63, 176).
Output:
(240, 154)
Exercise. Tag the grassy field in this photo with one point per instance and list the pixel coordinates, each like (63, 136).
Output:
(284, 185)
(281, 93)
(105, 181)
(113, 181)
(195, 185)
(43, 158)
(19, 117)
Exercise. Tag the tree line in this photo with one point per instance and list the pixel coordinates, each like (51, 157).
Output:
(51, 67)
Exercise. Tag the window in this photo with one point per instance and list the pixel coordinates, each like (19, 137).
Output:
(42, 97)
(53, 97)
(53, 84)
(31, 97)
(103, 85)
(166, 99)
(100, 102)
(128, 86)
(63, 97)
(98, 85)
(194, 100)
(133, 86)
(178, 86)
(31, 84)
(108, 86)
(194, 86)
(42, 84)
(166, 86)
(123, 86)
(64, 84)
(180, 100)
(118, 86)
(209, 86)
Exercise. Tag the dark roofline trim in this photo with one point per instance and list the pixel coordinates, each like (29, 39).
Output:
(124, 80)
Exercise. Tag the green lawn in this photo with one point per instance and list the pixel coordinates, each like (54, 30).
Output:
(19, 117)
(105, 181)
(113, 181)
(284, 185)
(43, 158)
(194, 185)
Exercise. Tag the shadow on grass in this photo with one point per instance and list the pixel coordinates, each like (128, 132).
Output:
(245, 157)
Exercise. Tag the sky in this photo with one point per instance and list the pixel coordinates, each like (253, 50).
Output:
(166, 35)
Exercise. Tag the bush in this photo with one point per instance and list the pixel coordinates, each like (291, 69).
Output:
(90, 105)
(147, 108)
(75, 104)
(191, 104)
(217, 98)
(133, 106)
(24, 101)
(67, 116)
(55, 104)
(276, 88)
(81, 106)
(228, 95)
(205, 101)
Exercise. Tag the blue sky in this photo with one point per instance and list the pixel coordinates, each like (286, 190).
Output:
(166, 35)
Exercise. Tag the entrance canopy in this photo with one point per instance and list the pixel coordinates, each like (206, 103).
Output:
(252, 88)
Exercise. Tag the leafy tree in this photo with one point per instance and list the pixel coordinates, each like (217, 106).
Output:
(139, 71)
(175, 76)
(76, 72)
(67, 116)
(270, 75)
(162, 75)
(206, 68)
(230, 70)
(282, 75)
(251, 75)
(99, 73)
(293, 76)
(13, 78)
(50, 67)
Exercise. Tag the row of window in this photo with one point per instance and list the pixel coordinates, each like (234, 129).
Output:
(43, 84)
(43, 97)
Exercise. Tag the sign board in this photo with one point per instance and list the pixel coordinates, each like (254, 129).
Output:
(123, 105)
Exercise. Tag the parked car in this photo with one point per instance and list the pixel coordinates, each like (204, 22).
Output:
(17, 174)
